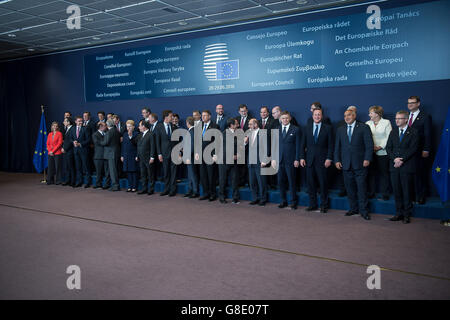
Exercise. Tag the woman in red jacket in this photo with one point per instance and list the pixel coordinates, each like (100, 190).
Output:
(54, 145)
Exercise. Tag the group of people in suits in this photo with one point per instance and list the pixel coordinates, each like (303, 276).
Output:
(359, 150)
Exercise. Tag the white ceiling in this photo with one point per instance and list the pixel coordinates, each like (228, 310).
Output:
(29, 27)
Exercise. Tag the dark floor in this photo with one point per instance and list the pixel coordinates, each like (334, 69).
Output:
(151, 247)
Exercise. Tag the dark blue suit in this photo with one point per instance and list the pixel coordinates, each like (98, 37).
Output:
(222, 123)
(192, 176)
(289, 151)
(129, 154)
(315, 154)
(352, 155)
(81, 153)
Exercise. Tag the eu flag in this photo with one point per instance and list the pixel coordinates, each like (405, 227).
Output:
(40, 152)
(441, 168)
(227, 70)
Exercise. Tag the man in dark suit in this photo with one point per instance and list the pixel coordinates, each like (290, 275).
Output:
(101, 117)
(421, 121)
(266, 121)
(243, 117)
(289, 159)
(221, 119)
(229, 168)
(81, 142)
(353, 153)
(163, 133)
(207, 171)
(315, 106)
(120, 126)
(146, 154)
(257, 181)
(111, 142)
(318, 144)
(67, 150)
(101, 164)
(402, 146)
(193, 191)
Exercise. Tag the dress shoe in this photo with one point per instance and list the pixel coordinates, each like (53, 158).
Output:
(115, 189)
(223, 201)
(49, 183)
(235, 201)
(212, 199)
(150, 192)
(187, 195)
(129, 190)
(342, 194)
(165, 193)
(172, 194)
(385, 197)
(194, 196)
(371, 195)
(204, 198)
(142, 191)
(421, 201)
(254, 202)
(293, 206)
(262, 203)
(406, 220)
(65, 184)
(87, 185)
(323, 210)
(282, 205)
(106, 187)
(396, 218)
(96, 187)
(77, 185)
(350, 213)
(366, 217)
(311, 208)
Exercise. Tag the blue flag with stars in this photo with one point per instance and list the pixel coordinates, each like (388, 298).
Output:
(441, 169)
(40, 152)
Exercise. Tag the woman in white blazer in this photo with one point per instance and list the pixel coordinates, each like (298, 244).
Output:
(379, 168)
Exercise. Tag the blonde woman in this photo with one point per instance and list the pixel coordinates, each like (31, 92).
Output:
(129, 154)
(381, 128)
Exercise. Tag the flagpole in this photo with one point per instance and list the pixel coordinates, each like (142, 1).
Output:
(45, 179)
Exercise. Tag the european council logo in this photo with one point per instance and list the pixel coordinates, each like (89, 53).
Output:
(216, 65)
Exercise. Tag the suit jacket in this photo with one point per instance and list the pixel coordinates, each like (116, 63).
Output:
(423, 125)
(269, 123)
(245, 122)
(352, 155)
(405, 149)
(68, 143)
(83, 138)
(91, 128)
(123, 128)
(99, 149)
(54, 144)
(249, 147)
(163, 144)
(320, 151)
(222, 123)
(111, 142)
(289, 146)
(146, 148)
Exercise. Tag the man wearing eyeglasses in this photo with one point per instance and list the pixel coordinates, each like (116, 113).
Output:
(402, 147)
(421, 121)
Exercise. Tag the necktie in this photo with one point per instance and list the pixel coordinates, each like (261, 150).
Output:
(284, 132)
(316, 133)
(264, 123)
(401, 135)
(78, 131)
(349, 133)
(242, 123)
(410, 120)
(168, 130)
(204, 129)
(218, 119)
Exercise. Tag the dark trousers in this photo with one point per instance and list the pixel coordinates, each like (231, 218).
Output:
(170, 175)
(258, 183)
(379, 170)
(113, 175)
(82, 166)
(287, 172)
(421, 177)
(193, 179)
(232, 171)
(402, 184)
(148, 174)
(316, 175)
(54, 169)
(208, 179)
(69, 168)
(356, 185)
(243, 174)
(132, 180)
(101, 169)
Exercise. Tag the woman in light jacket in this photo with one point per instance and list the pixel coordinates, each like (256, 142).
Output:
(379, 168)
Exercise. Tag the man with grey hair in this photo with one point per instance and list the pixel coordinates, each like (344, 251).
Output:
(111, 142)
